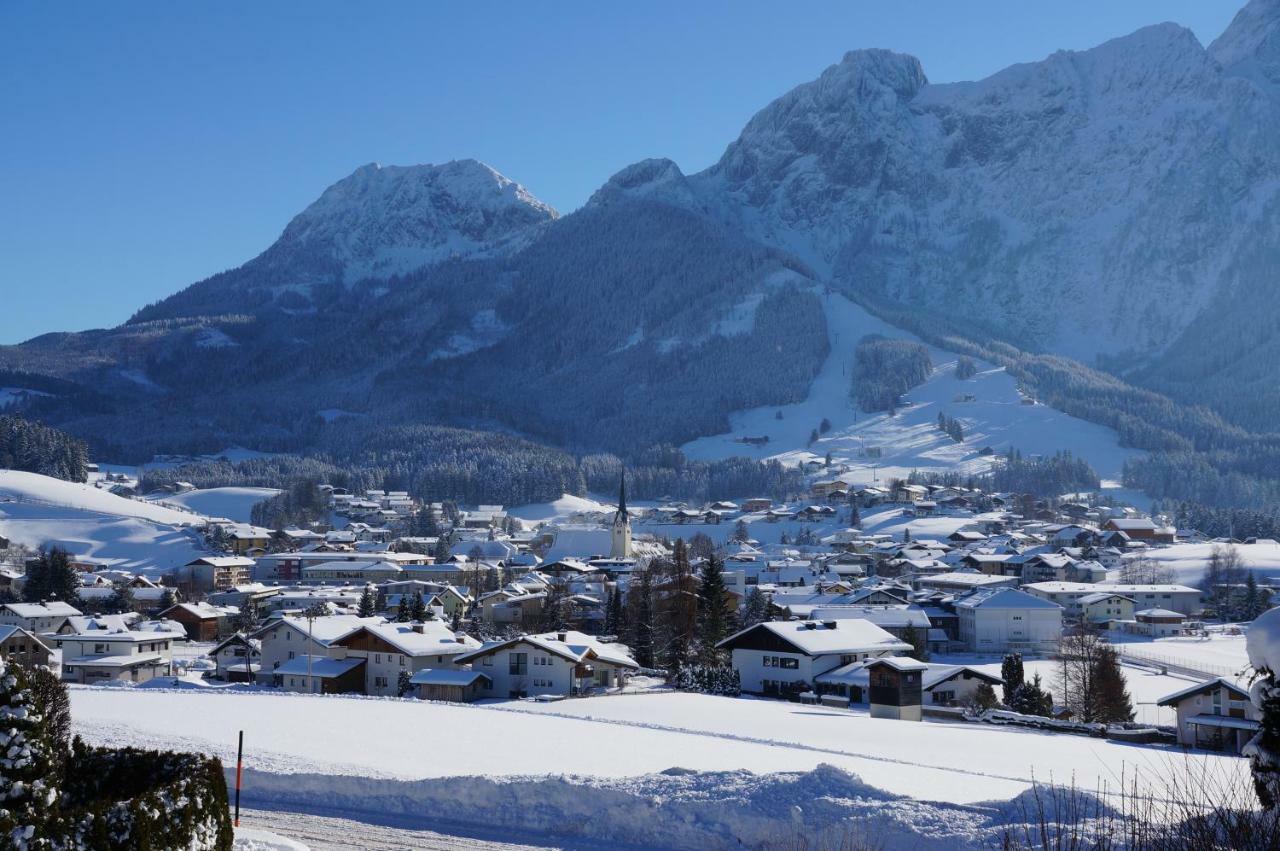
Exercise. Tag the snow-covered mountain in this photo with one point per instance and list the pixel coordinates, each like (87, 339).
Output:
(1119, 205)
(1052, 202)
(378, 222)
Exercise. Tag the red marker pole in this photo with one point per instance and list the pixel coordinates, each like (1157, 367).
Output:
(239, 767)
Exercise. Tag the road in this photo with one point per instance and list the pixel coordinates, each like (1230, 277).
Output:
(325, 833)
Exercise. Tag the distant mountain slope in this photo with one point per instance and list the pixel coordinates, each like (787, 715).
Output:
(379, 222)
(1119, 205)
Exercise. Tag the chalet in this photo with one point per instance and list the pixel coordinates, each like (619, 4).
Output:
(756, 505)
(245, 539)
(1215, 715)
(19, 645)
(785, 657)
(320, 675)
(1159, 622)
(127, 655)
(953, 685)
(563, 663)
(202, 621)
(1135, 528)
(964, 581)
(36, 618)
(909, 493)
(452, 686)
(237, 659)
(286, 638)
(392, 649)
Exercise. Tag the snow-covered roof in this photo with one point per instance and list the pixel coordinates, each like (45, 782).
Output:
(937, 674)
(42, 610)
(575, 646)
(1217, 682)
(416, 639)
(1160, 613)
(1004, 598)
(446, 677)
(322, 667)
(899, 663)
(815, 638)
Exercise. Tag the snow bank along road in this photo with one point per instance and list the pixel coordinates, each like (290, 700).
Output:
(325, 833)
(697, 758)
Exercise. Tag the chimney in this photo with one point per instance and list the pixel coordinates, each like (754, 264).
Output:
(562, 636)
(419, 628)
(829, 624)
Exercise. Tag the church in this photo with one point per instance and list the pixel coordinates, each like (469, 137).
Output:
(620, 531)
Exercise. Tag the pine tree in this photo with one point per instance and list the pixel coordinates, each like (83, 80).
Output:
(168, 599)
(613, 613)
(417, 608)
(855, 517)
(403, 684)
(919, 643)
(713, 616)
(1031, 699)
(756, 607)
(367, 603)
(1111, 701)
(64, 584)
(455, 622)
(36, 587)
(984, 698)
(642, 627)
(1012, 676)
(741, 534)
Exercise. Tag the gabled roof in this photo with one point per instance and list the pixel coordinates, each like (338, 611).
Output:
(435, 639)
(1004, 598)
(814, 638)
(322, 667)
(1201, 688)
(446, 677)
(899, 663)
(576, 647)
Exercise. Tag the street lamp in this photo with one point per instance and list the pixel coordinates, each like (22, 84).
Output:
(315, 610)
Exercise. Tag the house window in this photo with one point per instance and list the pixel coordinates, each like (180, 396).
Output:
(789, 663)
(943, 697)
(487, 661)
(769, 660)
(402, 661)
(377, 657)
(379, 682)
(290, 654)
(518, 663)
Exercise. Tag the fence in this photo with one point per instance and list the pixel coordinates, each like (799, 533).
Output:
(1180, 665)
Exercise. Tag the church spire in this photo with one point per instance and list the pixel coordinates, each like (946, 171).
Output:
(622, 494)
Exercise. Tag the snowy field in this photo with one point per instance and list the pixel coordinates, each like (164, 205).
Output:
(611, 737)
(910, 440)
(1219, 655)
(1189, 561)
(226, 503)
(87, 521)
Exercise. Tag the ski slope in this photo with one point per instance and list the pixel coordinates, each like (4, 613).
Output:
(226, 503)
(40, 511)
(996, 417)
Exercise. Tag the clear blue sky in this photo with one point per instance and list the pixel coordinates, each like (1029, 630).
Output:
(148, 145)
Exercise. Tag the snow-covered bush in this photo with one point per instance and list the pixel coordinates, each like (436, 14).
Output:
(1264, 749)
(80, 798)
(27, 784)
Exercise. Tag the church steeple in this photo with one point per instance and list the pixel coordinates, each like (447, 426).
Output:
(620, 533)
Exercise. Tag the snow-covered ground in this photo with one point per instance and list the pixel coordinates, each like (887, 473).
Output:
(910, 440)
(671, 770)
(131, 534)
(1221, 654)
(256, 839)
(229, 503)
(1189, 561)
(614, 737)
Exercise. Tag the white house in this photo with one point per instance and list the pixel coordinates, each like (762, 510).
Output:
(128, 655)
(1004, 619)
(282, 639)
(780, 657)
(391, 649)
(556, 663)
(37, 617)
(1216, 714)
